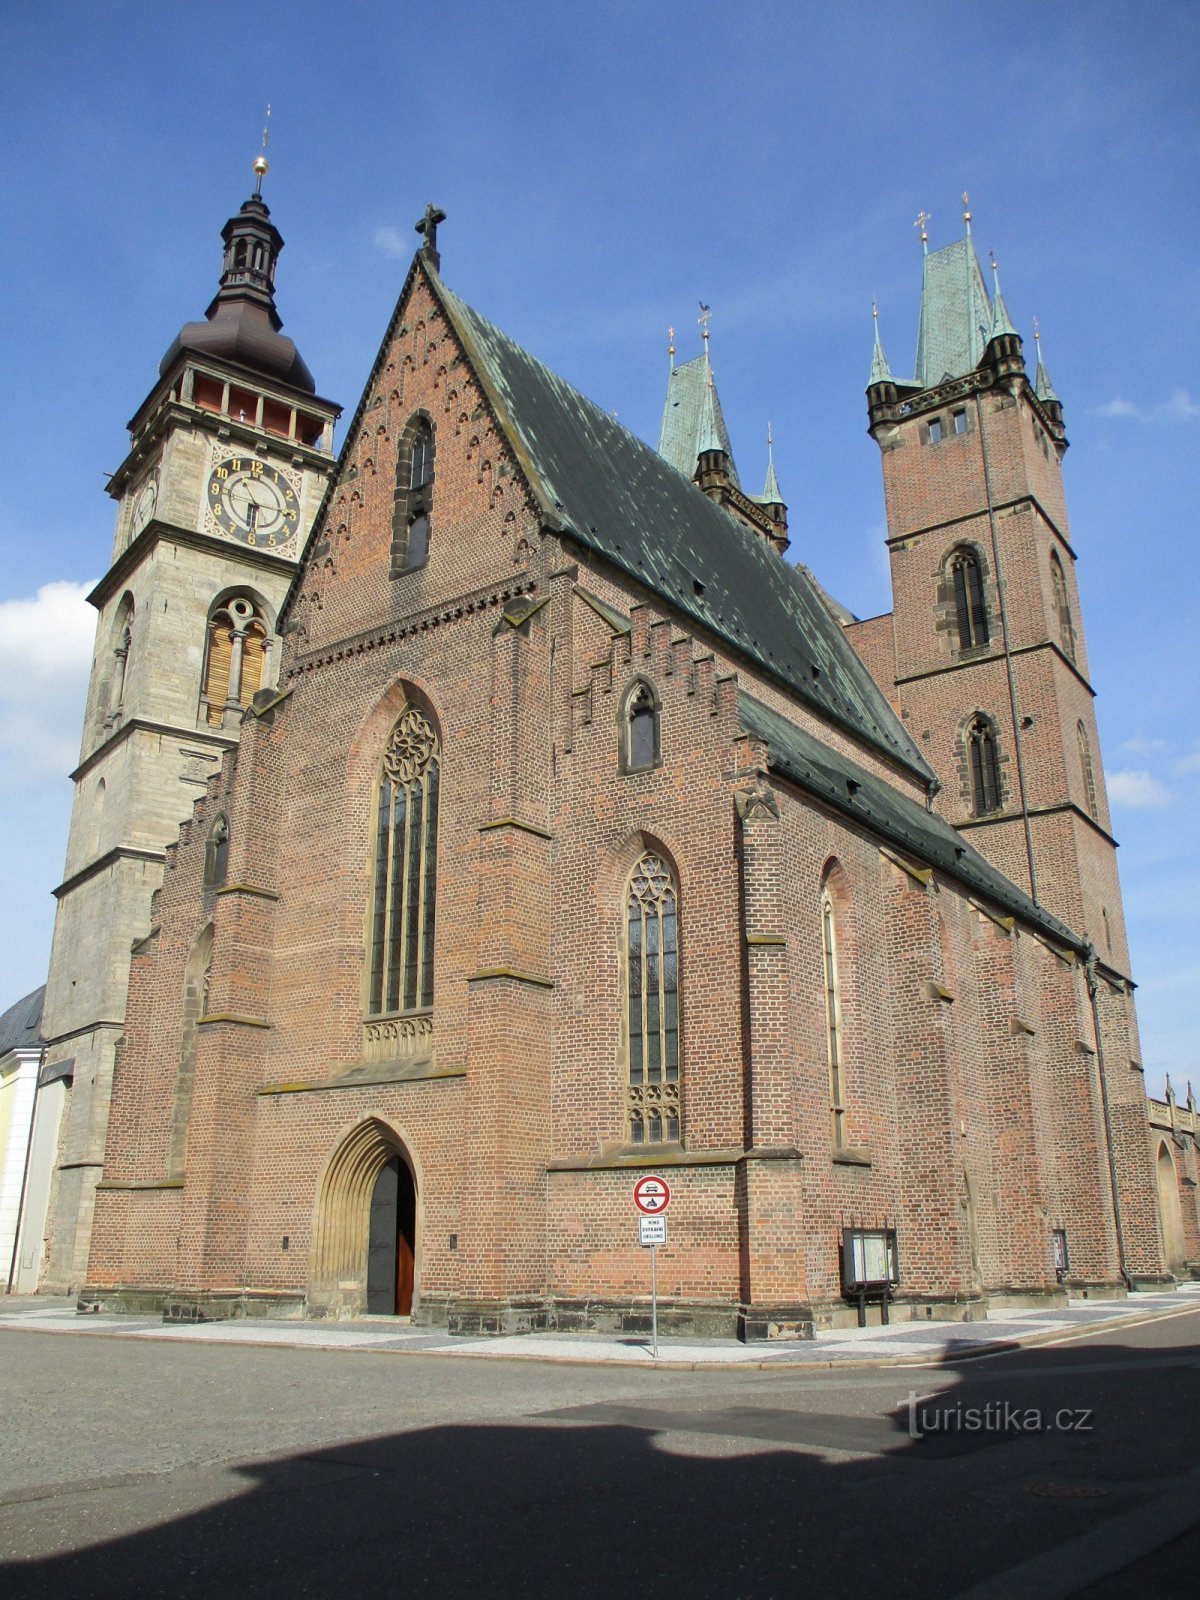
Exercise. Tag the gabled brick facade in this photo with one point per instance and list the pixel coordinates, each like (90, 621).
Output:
(973, 1116)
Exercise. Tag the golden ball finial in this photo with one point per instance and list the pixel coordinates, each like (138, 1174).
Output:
(261, 166)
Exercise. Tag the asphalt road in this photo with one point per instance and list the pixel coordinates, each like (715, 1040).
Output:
(131, 1468)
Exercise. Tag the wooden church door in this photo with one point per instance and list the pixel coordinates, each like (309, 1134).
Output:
(391, 1251)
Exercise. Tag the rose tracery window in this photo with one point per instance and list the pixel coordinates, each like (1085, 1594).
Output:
(405, 888)
(652, 992)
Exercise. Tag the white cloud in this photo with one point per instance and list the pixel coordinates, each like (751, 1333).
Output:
(1140, 745)
(1137, 790)
(1189, 763)
(1178, 407)
(45, 658)
(392, 242)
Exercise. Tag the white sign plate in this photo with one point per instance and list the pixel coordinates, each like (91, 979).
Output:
(652, 1230)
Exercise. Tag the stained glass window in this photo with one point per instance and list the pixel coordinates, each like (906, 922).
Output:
(405, 888)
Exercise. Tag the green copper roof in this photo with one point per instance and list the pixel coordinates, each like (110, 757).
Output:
(880, 371)
(771, 495)
(956, 315)
(889, 815)
(1042, 386)
(612, 494)
(691, 415)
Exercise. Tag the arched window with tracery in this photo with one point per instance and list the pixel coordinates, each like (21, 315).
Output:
(652, 1002)
(1089, 774)
(833, 1023)
(405, 868)
(984, 761)
(640, 728)
(1066, 626)
(413, 500)
(970, 609)
(235, 664)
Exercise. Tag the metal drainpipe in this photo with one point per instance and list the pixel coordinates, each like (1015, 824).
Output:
(1089, 969)
(12, 1266)
(1008, 666)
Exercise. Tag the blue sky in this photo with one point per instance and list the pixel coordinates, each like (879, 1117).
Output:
(605, 169)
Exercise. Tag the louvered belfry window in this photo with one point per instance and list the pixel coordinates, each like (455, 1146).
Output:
(970, 612)
(985, 767)
(405, 888)
(652, 984)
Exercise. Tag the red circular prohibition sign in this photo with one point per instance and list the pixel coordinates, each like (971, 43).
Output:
(651, 1195)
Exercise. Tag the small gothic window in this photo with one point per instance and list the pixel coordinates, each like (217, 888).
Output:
(216, 859)
(236, 660)
(413, 499)
(985, 767)
(641, 728)
(1089, 775)
(833, 1024)
(970, 611)
(652, 1001)
(1066, 627)
(405, 886)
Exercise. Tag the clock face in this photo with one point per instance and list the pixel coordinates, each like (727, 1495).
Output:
(143, 505)
(253, 502)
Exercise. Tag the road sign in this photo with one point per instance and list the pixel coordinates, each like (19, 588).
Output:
(651, 1196)
(652, 1230)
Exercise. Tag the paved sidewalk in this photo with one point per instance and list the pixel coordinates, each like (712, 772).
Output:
(899, 1344)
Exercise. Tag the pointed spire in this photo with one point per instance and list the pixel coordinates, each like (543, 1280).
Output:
(709, 437)
(1001, 325)
(771, 494)
(880, 371)
(1042, 386)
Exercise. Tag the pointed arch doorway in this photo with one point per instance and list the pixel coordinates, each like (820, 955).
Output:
(391, 1248)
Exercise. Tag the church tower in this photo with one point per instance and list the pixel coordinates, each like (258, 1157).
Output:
(990, 658)
(229, 457)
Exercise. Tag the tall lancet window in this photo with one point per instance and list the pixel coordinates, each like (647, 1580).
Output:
(833, 1024)
(985, 767)
(405, 891)
(652, 986)
(970, 611)
(641, 727)
(1089, 774)
(1066, 627)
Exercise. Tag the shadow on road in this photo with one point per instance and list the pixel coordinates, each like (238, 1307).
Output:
(661, 1496)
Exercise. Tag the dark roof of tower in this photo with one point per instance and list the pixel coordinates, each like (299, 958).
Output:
(21, 1024)
(242, 325)
(692, 419)
(956, 315)
(613, 494)
(889, 814)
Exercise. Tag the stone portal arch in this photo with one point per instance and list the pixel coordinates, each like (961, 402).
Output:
(1169, 1208)
(368, 1207)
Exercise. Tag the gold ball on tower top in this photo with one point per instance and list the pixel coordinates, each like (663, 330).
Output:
(261, 166)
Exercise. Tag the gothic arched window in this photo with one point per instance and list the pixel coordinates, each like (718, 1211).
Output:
(1089, 775)
(970, 611)
(413, 500)
(640, 729)
(833, 1023)
(405, 886)
(1066, 627)
(236, 659)
(652, 1002)
(196, 975)
(985, 767)
(216, 855)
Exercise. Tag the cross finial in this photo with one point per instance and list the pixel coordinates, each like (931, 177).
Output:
(671, 347)
(261, 166)
(874, 309)
(428, 227)
(966, 200)
(1037, 336)
(923, 217)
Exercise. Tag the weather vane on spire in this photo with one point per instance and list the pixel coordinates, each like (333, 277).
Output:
(704, 319)
(923, 217)
(261, 164)
(966, 200)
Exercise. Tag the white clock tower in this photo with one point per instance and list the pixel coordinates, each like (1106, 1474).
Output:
(229, 457)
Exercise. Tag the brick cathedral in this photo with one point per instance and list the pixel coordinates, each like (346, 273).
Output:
(494, 814)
